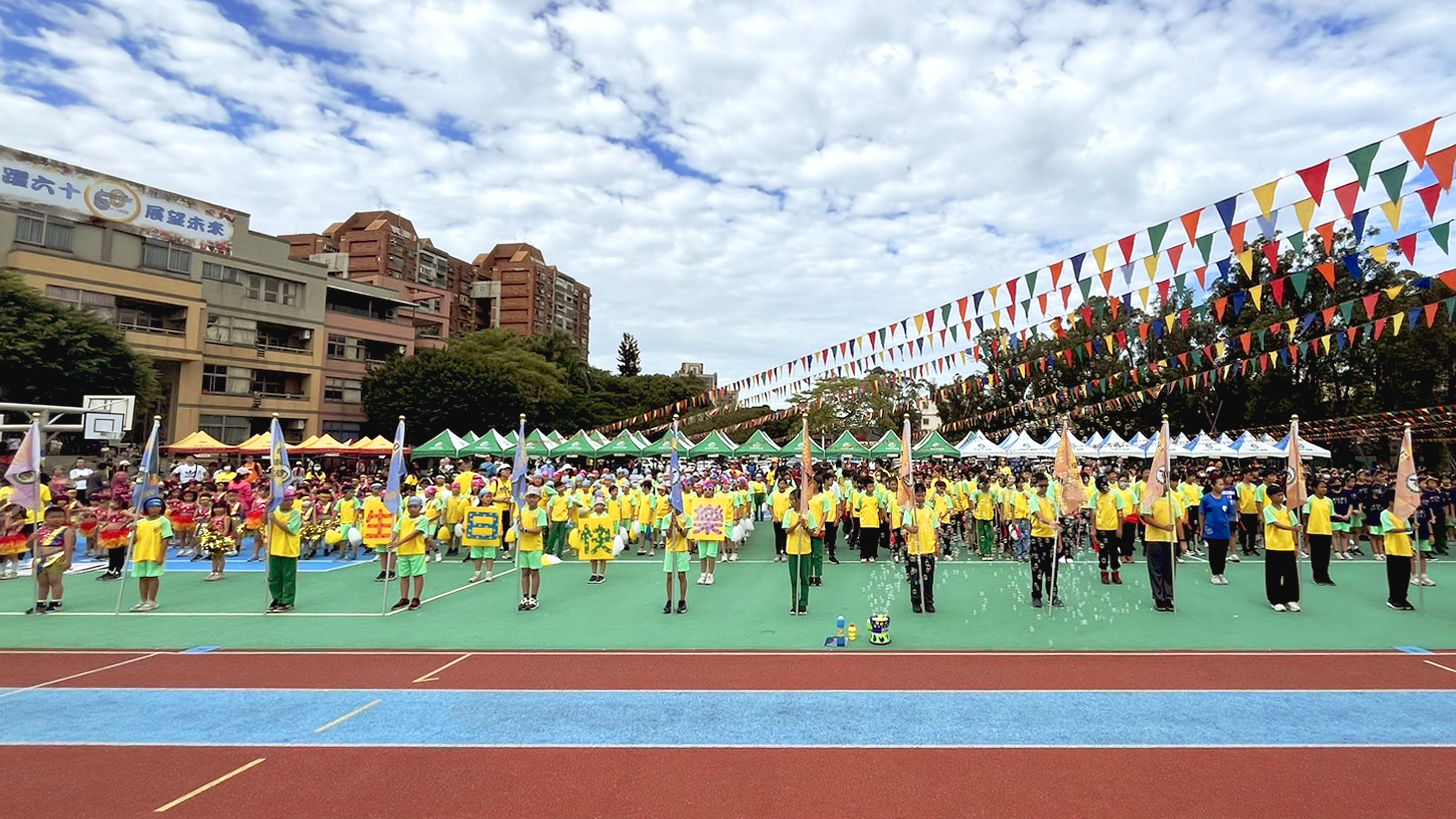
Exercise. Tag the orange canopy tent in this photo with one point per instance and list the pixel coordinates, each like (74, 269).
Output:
(200, 443)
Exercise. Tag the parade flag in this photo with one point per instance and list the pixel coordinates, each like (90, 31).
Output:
(907, 491)
(518, 467)
(149, 483)
(1295, 493)
(1407, 484)
(1159, 472)
(24, 472)
(280, 472)
(674, 474)
(805, 461)
(1065, 470)
(395, 480)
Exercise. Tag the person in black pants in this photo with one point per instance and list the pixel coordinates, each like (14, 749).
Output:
(1398, 564)
(1216, 513)
(1319, 531)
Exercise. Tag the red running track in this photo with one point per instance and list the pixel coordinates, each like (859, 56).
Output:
(730, 670)
(357, 782)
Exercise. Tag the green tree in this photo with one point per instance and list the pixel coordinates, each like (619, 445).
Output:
(629, 356)
(52, 354)
(865, 406)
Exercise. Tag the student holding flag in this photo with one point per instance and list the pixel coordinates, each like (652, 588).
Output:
(1405, 499)
(284, 525)
(1160, 515)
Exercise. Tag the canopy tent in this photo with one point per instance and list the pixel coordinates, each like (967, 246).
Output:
(306, 442)
(1205, 446)
(1114, 447)
(714, 444)
(470, 437)
(511, 437)
(1249, 446)
(1095, 441)
(1025, 447)
(1079, 449)
(325, 446)
(1083, 449)
(260, 444)
(887, 447)
(758, 444)
(663, 445)
(1151, 447)
(1180, 439)
(1307, 449)
(200, 443)
(1139, 440)
(934, 445)
(445, 445)
(597, 438)
(579, 445)
(976, 445)
(538, 445)
(370, 446)
(1007, 441)
(1223, 438)
(555, 438)
(623, 444)
(491, 443)
(795, 447)
(846, 445)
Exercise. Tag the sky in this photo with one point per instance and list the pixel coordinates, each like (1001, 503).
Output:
(738, 183)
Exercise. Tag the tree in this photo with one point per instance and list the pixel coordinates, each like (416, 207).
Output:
(52, 354)
(866, 407)
(629, 356)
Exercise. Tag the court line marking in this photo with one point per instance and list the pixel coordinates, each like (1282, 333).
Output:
(452, 591)
(1443, 667)
(587, 652)
(198, 614)
(356, 712)
(209, 786)
(516, 692)
(79, 674)
(685, 747)
(430, 676)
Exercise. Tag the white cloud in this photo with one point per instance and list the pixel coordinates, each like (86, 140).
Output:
(970, 138)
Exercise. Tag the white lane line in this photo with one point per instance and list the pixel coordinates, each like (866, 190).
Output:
(79, 674)
(1442, 667)
(452, 591)
(356, 712)
(432, 675)
(209, 786)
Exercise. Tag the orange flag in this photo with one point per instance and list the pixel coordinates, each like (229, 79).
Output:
(1159, 472)
(1074, 493)
(805, 464)
(1294, 492)
(1407, 484)
(907, 491)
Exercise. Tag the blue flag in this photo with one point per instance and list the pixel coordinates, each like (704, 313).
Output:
(396, 471)
(518, 467)
(674, 475)
(149, 483)
(280, 472)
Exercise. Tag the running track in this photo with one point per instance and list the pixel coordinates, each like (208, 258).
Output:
(848, 733)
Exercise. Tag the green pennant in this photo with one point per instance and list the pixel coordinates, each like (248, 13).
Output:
(1442, 234)
(1300, 281)
(953, 332)
(1155, 235)
(1296, 240)
(1197, 356)
(1086, 285)
(882, 337)
(1180, 281)
(1393, 179)
(1026, 307)
(1262, 335)
(1205, 246)
(1031, 282)
(1450, 304)
(1101, 309)
(1361, 159)
(1346, 311)
(945, 314)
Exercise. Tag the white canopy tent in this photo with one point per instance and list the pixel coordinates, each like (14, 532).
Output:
(1307, 449)
(977, 445)
(1114, 447)
(1249, 446)
(1204, 446)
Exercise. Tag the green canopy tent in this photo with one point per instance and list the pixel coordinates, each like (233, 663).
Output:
(470, 437)
(597, 438)
(510, 437)
(641, 440)
(556, 438)
(491, 443)
(445, 445)
(624, 444)
(714, 444)
(887, 447)
(538, 445)
(846, 444)
(795, 447)
(758, 444)
(935, 446)
(579, 445)
(663, 446)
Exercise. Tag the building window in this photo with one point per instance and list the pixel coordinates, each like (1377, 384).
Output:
(168, 257)
(343, 390)
(344, 430)
(100, 305)
(232, 330)
(224, 380)
(222, 273)
(230, 429)
(338, 346)
(151, 317)
(275, 384)
(272, 290)
(33, 228)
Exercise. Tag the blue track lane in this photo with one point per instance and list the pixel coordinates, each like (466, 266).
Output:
(729, 718)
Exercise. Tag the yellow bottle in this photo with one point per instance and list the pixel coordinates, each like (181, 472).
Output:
(852, 632)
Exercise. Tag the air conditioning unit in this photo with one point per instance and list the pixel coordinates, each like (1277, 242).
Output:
(307, 335)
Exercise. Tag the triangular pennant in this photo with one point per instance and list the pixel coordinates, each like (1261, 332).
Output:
(1086, 287)
(1442, 164)
(1225, 210)
(1126, 244)
(1236, 235)
(1246, 262)
(1150, 262)
(1369, 303)
(1155, 236)
(1190, 224)
(1430, 197)
(1393, 179)
(1056, 274)
(1300, 280)
(1031, 283)
(1107, 282)
(1392, 213)
(1304, 212)
(1361, 159)
(1430, 310)
(1327, 233)
(1267, 225)
(1296, 241)
(1327, 269)
(1346, 195)
(1256, 293)
(1380, 253)
(1314, 181)
(1417, 140)
(1276, 289)
(1175, 256)
(1357, 224)
(1201, 273)
(1264, 195)
(1271, 252)
(1099, 255)
(1441, 235)
(1352, 264)
(1077, 265)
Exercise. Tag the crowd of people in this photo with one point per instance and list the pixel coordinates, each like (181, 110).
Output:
(972, 510)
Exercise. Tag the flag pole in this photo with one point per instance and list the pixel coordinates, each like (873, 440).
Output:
(907, 491)
(518, 499)
(39, 511)
(391, 556)
(131, 537)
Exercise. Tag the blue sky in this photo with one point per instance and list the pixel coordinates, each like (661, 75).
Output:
(739, 183)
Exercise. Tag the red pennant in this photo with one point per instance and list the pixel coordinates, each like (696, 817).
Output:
(1143, 331)
(1277, 288)
(1263, 362)
(1449, 279)
(1328, 271)
(1106, 283)
(1041, 302)
(1380, 325)
(1114, 305)
(1056, 274)
(1346, 195)
(961, 305)
(1219, 305)
(1369, 302)
(1236, 235)
(1175, 255)
(1190, 224)
(1201, 273)
(1314, 180)
(1442, 163)
(1328, 314)
(930, 319)
(1430, 197)
(1011, 288)
(1122, 339)
(1247, 340)
(1350, 335)
(1293, 351)
(1066, 292)
(1087, 316)
(1408, 247)
(1183, 316)
(1088, 346)
(1327, 232)
(1011, 311)
(1163, 290)
(1271, 252)
(1126, 244)
(1183, 359)
(1417, 140)
(1431, 313)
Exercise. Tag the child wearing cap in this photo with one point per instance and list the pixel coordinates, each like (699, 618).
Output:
(284, 545)
(675, 560)
(533, 525)
(412, 532)
(150, 538)
(598, 533)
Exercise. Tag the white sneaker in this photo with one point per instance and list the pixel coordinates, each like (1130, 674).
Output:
(1415, 581)
(1233, 558)
(1279, 607)
(439, 557)
(139, 607)
(475, 578)
(1427, 581)
(1294, 607)
(488, 578)
(703, 578)
(710, 580)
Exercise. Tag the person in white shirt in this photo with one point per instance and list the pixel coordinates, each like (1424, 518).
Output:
(189, 472)
(80, 479)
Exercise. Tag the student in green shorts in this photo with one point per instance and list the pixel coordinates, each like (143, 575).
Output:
(412, 532)
(151, 537)
(481, 534)
(675, 560)
(534, 523)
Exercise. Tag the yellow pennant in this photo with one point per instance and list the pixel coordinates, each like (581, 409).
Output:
(1392, 212)
(996, 317)
(1264, 195)
(1100, 256)
(1143, 296)
(1246, 261)
(1257, 294)
(1395, 322)
(1289, 327)
(1168, 322)
(1151, 263)
(1219, 348)
(995, 291)
(1393, 293)
(1304, 210)
(919, 324)
(1324, 340)
(1109, 338)
(1380, 253)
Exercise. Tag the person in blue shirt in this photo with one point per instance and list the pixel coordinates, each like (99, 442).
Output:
(1218, 512)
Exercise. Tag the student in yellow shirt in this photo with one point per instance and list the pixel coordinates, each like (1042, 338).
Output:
(921, 526)
(1159, 534)
(867, 513)
(823, 508)
(1281, 531)
(533, 525)
(346, 517)
(1319, 513)
(412, 532)
(481, 534)
(598, 536)
(798, 544)
(1398, 554)
(284, 526)
(779, 504)
(1044, 528)
(983, 510)
(151, 536)
(1107, 508)
(675, 558)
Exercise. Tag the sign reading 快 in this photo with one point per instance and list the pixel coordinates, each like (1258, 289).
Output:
(43, 184)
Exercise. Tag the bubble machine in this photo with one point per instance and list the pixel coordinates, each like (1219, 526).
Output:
(879, 629)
